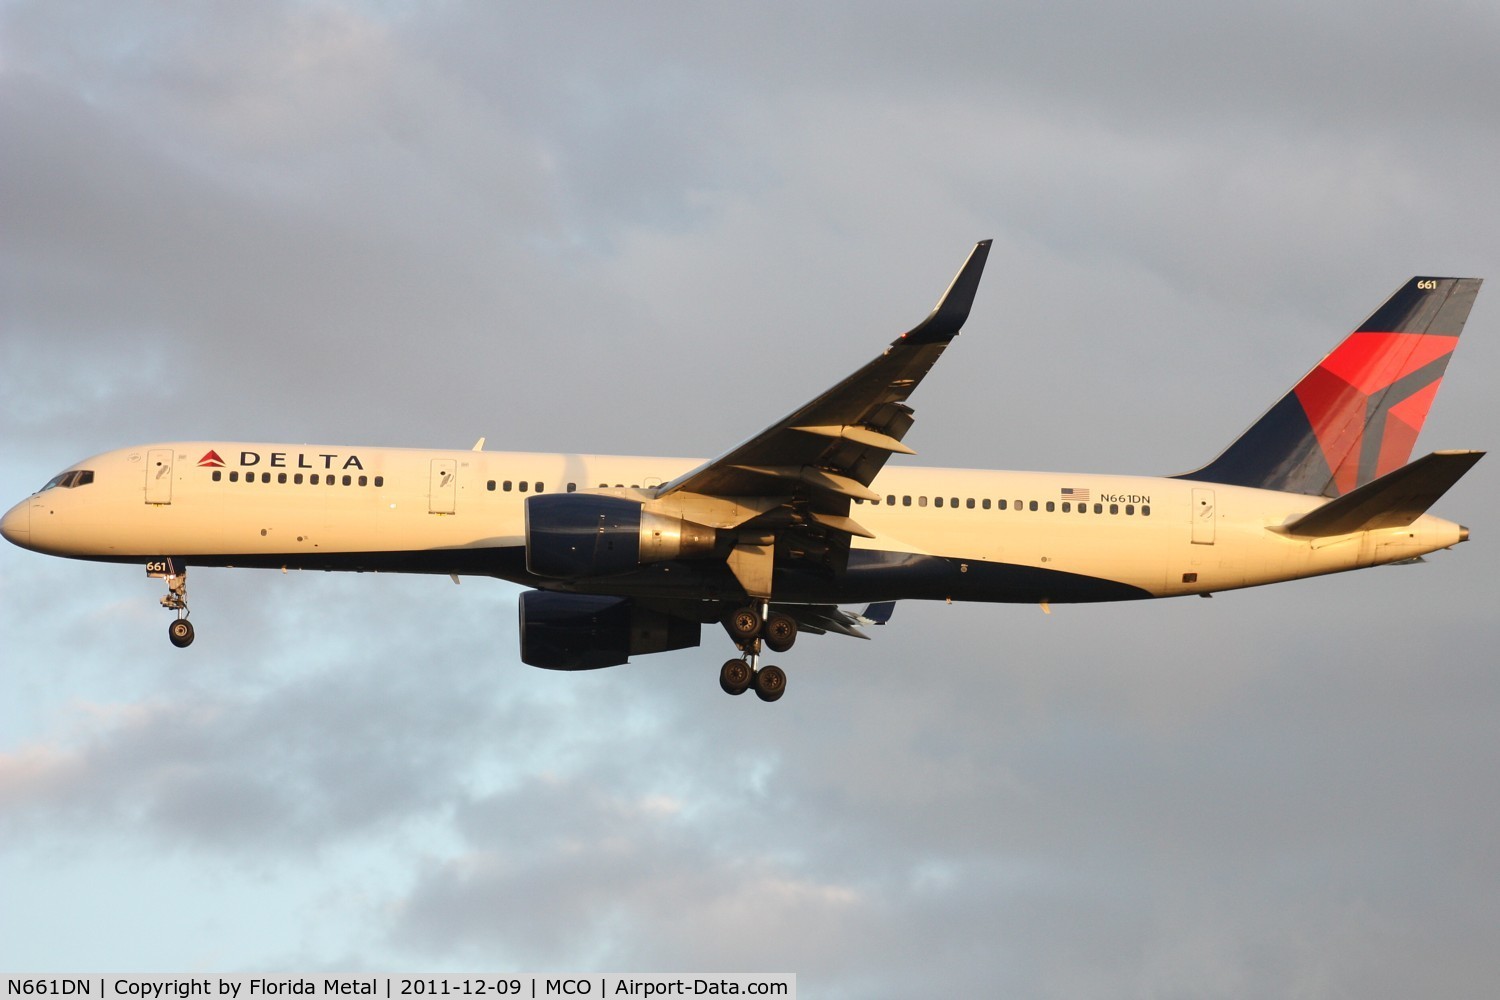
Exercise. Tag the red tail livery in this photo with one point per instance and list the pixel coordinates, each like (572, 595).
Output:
(1356, 416)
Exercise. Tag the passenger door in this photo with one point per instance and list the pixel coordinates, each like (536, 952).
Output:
(1204, 516)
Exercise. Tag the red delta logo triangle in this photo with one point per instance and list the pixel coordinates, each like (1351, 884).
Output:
(211, 460)
(1368, 400)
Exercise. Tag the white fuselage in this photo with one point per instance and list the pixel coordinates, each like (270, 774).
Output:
(959, 533)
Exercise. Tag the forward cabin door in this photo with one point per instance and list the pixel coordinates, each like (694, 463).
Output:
(159, 476)
(443, 486)
(1204, 516)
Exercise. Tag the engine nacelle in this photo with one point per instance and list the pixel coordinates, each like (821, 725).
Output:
(587, 631)
(574, 535)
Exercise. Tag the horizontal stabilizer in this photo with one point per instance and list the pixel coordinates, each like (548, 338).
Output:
(1394, 500)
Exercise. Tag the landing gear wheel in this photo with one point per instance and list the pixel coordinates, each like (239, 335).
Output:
(744, 624)
(735, 677)
(181, 633)
(770, 683)
(780, 632)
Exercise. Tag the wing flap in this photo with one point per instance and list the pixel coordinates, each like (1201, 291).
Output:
(820, 618)
(860, 435)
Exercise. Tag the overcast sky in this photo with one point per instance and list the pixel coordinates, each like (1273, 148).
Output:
(655, 228)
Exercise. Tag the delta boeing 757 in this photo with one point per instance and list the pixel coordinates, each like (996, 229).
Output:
(632, 555)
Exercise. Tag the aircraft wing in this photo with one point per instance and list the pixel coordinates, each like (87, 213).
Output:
(831, 449)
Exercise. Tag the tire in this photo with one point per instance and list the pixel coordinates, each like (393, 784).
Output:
(735, 677)
(770, 683)
(780, 632)
(181, 633)
(744, 624)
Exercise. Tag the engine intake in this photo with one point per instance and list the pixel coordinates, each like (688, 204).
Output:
(573, 535)
(587, 632)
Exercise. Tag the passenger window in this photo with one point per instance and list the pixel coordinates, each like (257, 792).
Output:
(313, 479)
(297, 479)
(505, 486)
(348, 480)
(538, 488)
(921, 501)
(1033, 505)
(234, 477)
(1145, 510)
(490, 486)
(218, 474)
(1114, 508)
(281, 477)
(1002, 504)
(937, 501)
(986, 503)
(906, 501)
(572, 487)
(379, 481)
(969, 503)
(265, 477)
(363, 481)
(1067, 507)
(1050, 506)
(953, 502)
(891, 499)
(1129, 509)
(1098, 508)
(522, 486)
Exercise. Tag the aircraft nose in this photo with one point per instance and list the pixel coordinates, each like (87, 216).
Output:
(16, 525)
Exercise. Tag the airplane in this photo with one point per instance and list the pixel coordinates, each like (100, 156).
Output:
(629, 555)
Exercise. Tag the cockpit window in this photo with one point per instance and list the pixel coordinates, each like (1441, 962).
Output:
(68, 480)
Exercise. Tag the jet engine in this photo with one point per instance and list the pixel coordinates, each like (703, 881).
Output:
(575, 535)
(587, 631)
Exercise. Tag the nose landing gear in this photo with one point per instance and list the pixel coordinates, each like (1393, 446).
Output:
(181, 630)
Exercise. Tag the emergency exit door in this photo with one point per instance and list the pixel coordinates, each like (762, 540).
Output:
(443, 489)
(159, 476)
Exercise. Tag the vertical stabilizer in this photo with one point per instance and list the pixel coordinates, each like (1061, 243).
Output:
(1356, 416)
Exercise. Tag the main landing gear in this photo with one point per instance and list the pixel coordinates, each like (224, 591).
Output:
(749, 627)
(181, 630)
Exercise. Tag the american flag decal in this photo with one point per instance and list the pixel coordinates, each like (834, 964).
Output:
(1073, 493)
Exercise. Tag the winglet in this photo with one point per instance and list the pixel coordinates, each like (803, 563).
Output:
(948, 316)
(1394, 500)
